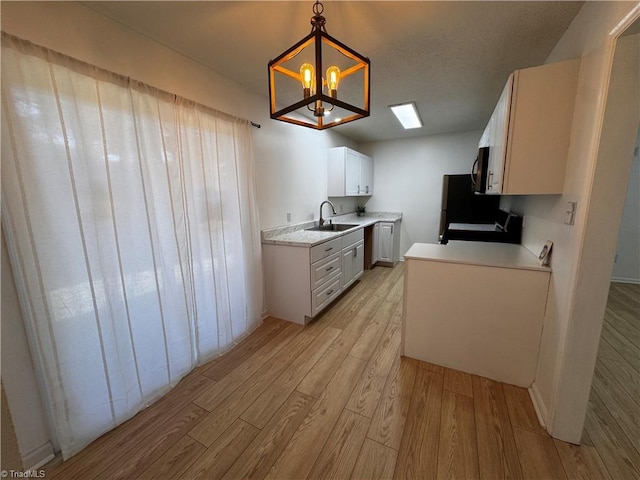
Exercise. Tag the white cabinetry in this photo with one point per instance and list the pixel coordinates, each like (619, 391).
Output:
(350, 173)
(495, 136)
(476, 307)
(529, 131)
(301, 281)
(352, 257)
(376, 242)
(366, 175)
(388, 241)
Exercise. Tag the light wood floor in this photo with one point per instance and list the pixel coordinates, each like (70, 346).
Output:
(613, 418)
(335, 400)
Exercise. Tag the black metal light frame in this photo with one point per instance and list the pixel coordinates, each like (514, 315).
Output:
(319, 38)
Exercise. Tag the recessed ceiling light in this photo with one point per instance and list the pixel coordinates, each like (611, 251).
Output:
(407, 114)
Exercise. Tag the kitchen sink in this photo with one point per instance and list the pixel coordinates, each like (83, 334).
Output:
(332, 227)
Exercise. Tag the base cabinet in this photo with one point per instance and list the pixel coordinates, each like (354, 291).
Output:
(300, 281)
(388, 242)
(385, 242)
(375, 256)
(352, 263)
(478, 319)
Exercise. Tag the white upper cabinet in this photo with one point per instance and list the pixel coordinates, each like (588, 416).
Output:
(350, 173)
(529, 131)
(351, 169)
(497, 132)
(366, 175)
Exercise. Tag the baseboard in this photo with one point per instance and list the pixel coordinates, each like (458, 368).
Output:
(39, 456)
(538, 405)
(635, 281)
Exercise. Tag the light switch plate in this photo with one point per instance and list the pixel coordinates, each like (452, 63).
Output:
(570, 213)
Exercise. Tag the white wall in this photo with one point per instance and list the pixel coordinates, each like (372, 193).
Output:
(587, 37)
(290, 160)
(408, 179)
(627, 265)
(291, 172)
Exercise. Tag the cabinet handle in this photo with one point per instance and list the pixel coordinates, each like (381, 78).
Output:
(358, 188)
(329, 292)
(367, 188)
(391, 229)
(355, 252)
(328, 269)
(490, 181)
(329, 249)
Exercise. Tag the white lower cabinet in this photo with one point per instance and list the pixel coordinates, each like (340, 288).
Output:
(324, 269)
(388, 242)
(385, 242)
(375, 247)
(301, 281)
(479, 312)
(323, 296)
(352, 263)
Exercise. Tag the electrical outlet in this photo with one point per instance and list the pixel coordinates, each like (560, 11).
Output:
(288, 217)
(341, 208)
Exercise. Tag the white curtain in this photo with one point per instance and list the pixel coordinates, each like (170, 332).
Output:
(131, 221)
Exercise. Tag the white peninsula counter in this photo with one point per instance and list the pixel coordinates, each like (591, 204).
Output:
(476, 307)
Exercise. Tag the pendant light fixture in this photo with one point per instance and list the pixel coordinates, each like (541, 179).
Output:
(300, 94)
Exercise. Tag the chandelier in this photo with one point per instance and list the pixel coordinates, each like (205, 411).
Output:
(300, 94)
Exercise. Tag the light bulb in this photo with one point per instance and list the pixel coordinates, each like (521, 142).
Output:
(307, 79)
(333, 79)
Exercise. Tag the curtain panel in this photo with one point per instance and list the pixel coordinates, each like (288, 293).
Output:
(131, 221)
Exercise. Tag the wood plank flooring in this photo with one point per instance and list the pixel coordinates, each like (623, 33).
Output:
(612, 425)
(334, 399)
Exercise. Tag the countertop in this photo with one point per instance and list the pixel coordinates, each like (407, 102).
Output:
(502, 255)
(296, 235)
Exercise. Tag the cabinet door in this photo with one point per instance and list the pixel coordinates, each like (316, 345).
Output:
(358, 260)
(366, 175)
(395, 256)
(352, 173)
(335, 172)
(385, 245)
(347, 267)
(499, 126)
(376, 243)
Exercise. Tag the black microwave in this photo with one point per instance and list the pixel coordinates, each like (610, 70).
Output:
(479, 171)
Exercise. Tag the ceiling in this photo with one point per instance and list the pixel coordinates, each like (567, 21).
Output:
(451, 58)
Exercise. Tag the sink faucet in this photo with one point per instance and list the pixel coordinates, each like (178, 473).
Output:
(321, 221)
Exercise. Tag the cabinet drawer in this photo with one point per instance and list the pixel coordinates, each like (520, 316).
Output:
(353, 237)
(323, 296)
(325, 249)
(322, 270)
